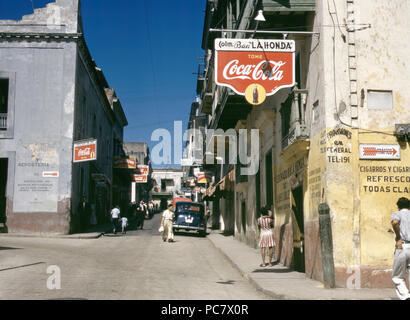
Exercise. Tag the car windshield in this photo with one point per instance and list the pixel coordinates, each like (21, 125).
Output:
(189, 208)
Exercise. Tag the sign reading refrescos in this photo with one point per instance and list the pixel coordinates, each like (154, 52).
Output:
(255, 68)
(85, 150)
(380, 151)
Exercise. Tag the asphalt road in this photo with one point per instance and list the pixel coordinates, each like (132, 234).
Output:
(135, 266)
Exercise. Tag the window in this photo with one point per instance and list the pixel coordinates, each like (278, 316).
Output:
(285, 116)
(379, 100)
(4, 98)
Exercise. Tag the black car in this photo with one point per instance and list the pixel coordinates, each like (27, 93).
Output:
(190, 216)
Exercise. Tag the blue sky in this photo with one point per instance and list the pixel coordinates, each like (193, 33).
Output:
(148, 51)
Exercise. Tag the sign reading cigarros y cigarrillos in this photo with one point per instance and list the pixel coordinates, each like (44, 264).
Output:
(255, 68)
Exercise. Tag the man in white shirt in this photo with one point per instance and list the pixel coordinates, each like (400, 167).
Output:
(401, 226)
(115, 215)
(167, 224)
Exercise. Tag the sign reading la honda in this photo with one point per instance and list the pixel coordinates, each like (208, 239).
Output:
(255, 68)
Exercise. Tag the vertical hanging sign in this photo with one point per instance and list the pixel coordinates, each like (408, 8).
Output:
(255, 68)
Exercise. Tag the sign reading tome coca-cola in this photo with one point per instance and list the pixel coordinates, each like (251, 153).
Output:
(255, 68)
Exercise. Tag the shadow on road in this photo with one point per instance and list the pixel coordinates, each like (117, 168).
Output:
(7, 248)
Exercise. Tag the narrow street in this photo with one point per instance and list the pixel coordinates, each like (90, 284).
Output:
(135, 266)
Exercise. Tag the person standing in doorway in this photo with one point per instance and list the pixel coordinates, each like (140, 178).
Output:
(401, 226)
(84, 214)
(115, 215)
(265, 224)
(167, 224)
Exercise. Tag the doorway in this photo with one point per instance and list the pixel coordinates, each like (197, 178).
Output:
(243, 217)
(3, 188)
(298, 237)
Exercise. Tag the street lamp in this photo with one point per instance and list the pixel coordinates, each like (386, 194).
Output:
(258, 19)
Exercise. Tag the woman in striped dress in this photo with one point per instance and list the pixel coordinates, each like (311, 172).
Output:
(265, 223)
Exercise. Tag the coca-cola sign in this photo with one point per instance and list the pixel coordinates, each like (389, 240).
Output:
(255, 68)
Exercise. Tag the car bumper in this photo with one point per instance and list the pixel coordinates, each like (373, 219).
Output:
(177, 227)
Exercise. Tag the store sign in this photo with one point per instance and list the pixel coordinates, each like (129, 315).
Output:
(205, 177)
(51, 174)
(85, 150)
(125, 163)
(380, 151)
(255, 68)
(142, 170)
(140, 178)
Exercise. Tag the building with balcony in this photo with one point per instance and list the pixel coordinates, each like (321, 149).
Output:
(167, 184)
(349, 98)
(52, 94)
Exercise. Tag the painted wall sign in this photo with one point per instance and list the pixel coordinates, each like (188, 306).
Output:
(85, 150)
(125, 163)
(140, 178)
(255, 68)
(380, 151)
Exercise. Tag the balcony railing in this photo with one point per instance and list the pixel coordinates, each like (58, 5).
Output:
(298, 129)
(3, 121)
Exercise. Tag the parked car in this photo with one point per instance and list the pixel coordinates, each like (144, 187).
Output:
(190, 216)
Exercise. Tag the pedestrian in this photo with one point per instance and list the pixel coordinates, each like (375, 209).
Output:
(150, 209)
(140, 215)
(167, 224)
(124, 225)
(145, 210)
(84, 213)
(265, 224)
(401, 226)
(115, 215)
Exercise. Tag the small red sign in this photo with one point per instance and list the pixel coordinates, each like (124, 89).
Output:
(140, 178)
(142, 169)
(85, 151)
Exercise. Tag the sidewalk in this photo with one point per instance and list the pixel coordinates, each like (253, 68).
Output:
(92, 233)
(280, 282)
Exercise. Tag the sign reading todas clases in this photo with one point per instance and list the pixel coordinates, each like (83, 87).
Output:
(255, 68)
(85, 150)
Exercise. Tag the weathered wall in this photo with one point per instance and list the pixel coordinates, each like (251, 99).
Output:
(44, 89)
(42, 77)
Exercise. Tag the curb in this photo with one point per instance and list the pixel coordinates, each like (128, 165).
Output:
(95, 235)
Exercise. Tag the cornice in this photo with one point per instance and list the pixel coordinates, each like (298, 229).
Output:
(30, 36)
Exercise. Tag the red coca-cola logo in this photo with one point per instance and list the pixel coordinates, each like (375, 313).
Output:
(239, 70)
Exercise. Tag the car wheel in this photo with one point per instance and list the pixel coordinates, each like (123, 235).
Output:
(202, 233)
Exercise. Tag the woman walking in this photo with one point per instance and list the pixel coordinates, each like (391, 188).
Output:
(167, 224)
(265, 224)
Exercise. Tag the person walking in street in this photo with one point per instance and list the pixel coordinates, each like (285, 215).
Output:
(265, 224)
(140, 215)
(401, 226)
(124, 225)
(150, 209)
(167, 224)
(115, 215)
